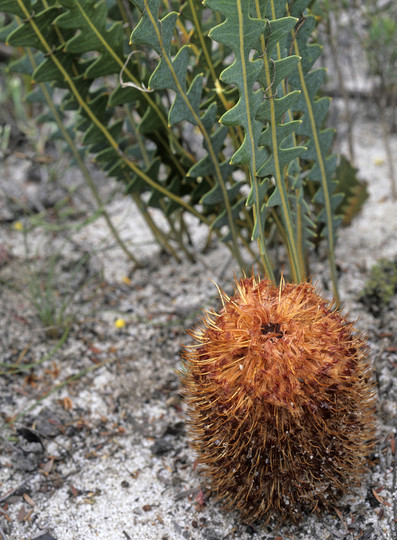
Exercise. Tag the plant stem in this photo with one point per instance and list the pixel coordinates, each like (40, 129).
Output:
(58, 386)
(12, 368)
(342, 86)
(87, 176)
(159, 236)
(389, 154)
(323, 177)
(291, 244)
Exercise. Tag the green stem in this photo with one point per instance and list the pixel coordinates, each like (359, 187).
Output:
(206, 136)
(111, 140)
(87, 176)
(279, 179)
(217, 84)
(12, 368)
(58, 386)
(323, 177)
(157, 233)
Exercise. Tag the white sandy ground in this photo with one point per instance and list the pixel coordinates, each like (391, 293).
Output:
(146, 506)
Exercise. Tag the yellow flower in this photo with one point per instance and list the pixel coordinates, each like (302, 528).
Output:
(126, 280)
(379, 161)
(119, 323)
(18, 226)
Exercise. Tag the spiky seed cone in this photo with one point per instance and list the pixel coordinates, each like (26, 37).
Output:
(280, 399)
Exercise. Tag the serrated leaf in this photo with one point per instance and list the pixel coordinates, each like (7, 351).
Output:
(90, 18)
(47, 71)
(282, 105)
(319, 141)
(215, 195)
(182, 109)
(26, 35)
(7, 29)
(243, 31)
(171, 73)
(14, 7)
(354, 191)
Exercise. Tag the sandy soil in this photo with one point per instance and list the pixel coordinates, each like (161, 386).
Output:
(105, 454)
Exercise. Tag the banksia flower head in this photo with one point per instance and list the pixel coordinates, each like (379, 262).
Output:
(280, 400)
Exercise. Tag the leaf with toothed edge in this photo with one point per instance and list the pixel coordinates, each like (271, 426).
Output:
(171, 73)
(317, 139)
(244, 31)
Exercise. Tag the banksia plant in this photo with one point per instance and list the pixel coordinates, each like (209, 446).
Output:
(280, 400)
(210, 112)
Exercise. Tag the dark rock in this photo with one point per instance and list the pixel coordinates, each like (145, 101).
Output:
(166, 443)
(30, 435)
(162, 446)
(211, 534)
(45, 536)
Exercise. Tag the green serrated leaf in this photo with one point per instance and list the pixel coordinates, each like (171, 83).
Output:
(90, 19)
(47, 71)
(279, 28)
(282, 105)
(15, 7)
(182, 109)
(215, 195)
(7, 29)
(27, 35)
(355, 191)
(171, 73)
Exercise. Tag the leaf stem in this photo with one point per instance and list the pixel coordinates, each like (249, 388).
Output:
(87, 176)
(324, 182)
(279, 179)
(203, 131)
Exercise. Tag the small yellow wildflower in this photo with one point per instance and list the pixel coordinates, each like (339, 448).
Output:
(126, 280)
(119, 323)
(18, 225)
(379, 161)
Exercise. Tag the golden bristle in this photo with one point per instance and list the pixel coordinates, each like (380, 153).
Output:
(280, 399)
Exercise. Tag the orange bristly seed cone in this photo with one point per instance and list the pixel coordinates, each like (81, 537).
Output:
(281, 401)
